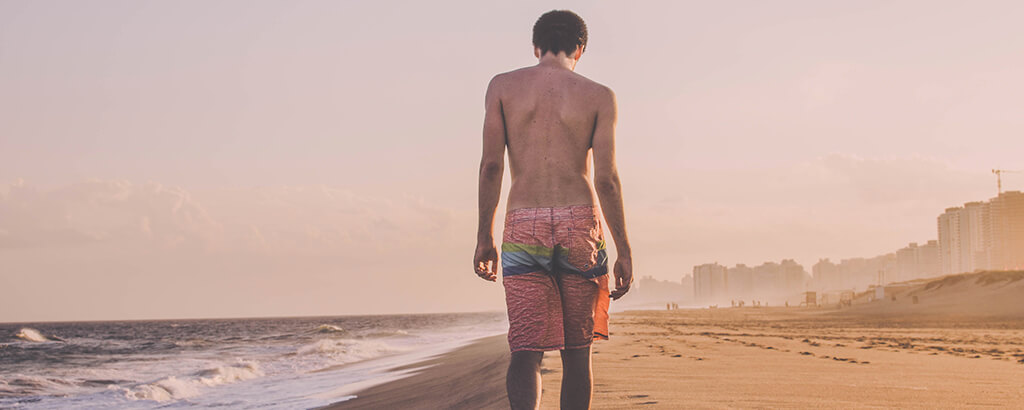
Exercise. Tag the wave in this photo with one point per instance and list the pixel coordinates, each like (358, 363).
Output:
(386, 333)
(175, 388)
(328, 329)
(31, 335)
(347, 350)
(23, 385)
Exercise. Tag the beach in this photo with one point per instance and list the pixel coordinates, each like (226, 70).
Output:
(899, 355)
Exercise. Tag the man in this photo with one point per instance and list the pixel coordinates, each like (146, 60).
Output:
(554, 266)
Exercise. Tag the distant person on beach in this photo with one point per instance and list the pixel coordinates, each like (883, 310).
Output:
(553, 258)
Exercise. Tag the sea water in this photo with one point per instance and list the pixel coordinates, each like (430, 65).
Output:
(234, 363)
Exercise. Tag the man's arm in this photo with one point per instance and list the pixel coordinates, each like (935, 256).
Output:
(609, 191)
(492, 168)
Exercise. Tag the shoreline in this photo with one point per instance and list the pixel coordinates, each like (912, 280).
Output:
(470, 376)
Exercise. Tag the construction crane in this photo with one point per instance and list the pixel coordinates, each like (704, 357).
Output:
(999, 178)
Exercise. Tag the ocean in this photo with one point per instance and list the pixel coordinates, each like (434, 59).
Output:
(235, 363)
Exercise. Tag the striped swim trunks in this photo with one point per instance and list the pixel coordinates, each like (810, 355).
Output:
(554, 270)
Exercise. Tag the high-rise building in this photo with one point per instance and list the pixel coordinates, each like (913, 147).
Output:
(1006, 232)
(768, 278)
(794, 277)
(709, 282)
(826, 275)
(983, 235)
(906, 265)
(741, 282)
(973, 254)
(949, 241)
(928, 263)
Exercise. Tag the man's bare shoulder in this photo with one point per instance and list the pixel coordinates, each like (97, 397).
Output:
(515, 78)
(594, 90)
(504, 79)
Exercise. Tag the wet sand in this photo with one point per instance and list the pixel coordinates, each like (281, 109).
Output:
(471, 377)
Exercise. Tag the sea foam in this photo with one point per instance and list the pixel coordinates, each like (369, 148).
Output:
(176, 388)
(31, 335)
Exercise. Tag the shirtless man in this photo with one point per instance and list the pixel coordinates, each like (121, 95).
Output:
(554, 265)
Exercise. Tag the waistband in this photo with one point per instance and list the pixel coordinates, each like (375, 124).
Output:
(554, 212)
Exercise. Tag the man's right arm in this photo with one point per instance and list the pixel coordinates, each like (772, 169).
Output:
(492, 167)
(609, 191)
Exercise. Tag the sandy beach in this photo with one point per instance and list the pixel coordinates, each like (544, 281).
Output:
(900, 355)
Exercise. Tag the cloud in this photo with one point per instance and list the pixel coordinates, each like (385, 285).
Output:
(284, 219)
(96, 211)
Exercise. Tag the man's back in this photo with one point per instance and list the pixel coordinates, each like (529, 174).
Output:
(550, 114)
(553, 123)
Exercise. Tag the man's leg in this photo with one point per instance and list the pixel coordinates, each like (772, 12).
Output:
(579, 298)
(523, 380)
(577, 379)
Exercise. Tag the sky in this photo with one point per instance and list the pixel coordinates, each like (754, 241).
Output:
(185, 159)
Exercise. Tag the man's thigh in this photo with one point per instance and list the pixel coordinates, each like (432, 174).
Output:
(579, 297)
(535, 317)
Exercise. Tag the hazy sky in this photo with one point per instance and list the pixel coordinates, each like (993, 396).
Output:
(164, 159)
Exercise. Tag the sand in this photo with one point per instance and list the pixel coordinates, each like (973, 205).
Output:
(471, 377)
(900, 355)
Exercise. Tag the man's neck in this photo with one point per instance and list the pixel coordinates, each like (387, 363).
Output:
(557, 60)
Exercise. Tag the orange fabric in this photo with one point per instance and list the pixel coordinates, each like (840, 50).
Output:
(601, 308)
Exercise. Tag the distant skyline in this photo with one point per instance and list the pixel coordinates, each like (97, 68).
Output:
(254, 158)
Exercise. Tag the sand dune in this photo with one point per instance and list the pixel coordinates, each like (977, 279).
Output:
(984, 295)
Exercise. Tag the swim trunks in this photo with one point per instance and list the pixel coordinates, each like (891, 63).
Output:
(554, 270)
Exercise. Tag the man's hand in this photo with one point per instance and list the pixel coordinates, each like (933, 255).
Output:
(486, 261)
(623, 276)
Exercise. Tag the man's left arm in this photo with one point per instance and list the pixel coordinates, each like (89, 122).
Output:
(492, 168)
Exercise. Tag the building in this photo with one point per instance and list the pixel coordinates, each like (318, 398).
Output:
(741, 282)
(928, 263)
(973, 252)
(949, 241)
(906, 265)
(794, 277)
(826, 275)
(983, 235)
(709, 282)
(915, 262)
(1006, 231)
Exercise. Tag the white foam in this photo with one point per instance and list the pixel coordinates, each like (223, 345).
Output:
(328, 329)
(347, 350)
(31, 335)
(230, 374)
(175, 388)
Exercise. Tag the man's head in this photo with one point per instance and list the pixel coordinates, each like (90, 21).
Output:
(560, 31)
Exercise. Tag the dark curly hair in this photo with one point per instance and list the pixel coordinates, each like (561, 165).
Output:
(559, 30)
